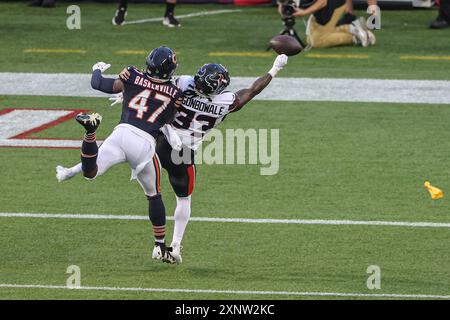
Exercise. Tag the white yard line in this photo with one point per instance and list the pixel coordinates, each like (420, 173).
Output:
(282, 89)
(233, 292)
(231, 220)
(185, 16)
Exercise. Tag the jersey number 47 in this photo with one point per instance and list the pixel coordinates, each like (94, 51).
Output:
(139, 103)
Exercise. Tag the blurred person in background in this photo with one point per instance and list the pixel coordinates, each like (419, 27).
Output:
(169, 18)
(325, 29)
(349, 17)
(43, 3)
(443, 19)
(371, 4)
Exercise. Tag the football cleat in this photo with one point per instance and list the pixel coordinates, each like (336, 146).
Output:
(162, 253)
(90, 122)
(439, 23)
(371, 37)
(175, 251)
(170, 21)
(357, 29)
(119, 18)
(63, 174)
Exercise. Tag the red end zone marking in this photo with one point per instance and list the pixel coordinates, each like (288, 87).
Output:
(46, 126)
(27, 134)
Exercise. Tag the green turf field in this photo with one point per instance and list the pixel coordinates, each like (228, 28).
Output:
(338, 161)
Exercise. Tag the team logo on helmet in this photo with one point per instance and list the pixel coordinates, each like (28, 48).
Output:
(161, 63)
(211, 79)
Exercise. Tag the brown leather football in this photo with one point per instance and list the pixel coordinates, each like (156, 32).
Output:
(284, 44)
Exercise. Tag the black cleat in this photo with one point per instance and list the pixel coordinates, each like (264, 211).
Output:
(90, 122)
(170, 21)
(162, 253)
(439, 23)
(119, 18)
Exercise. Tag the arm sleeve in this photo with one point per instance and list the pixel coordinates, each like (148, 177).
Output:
(102, 84)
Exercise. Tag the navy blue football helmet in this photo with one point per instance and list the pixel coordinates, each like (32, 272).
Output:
(211, 79)
(161, 63)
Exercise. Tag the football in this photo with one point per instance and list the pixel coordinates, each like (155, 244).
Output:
(283, 44)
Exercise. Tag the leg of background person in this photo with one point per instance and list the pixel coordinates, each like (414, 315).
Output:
(323, 36)
(328, 36)
(170, 7)
(123, 4)
(332, 39)
(121, 13)
(313, 30)
(443, 19)
(444, 10)
(169, 16)
(337, 14)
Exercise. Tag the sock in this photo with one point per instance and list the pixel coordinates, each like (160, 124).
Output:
(157, 214)
(89, 151)
(182, 215)
(123, 4)
(170, 7)
(76, 169)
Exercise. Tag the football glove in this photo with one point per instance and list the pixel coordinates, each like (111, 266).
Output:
(102, 66)
(116, 98)
(172, 137)
(278, 64)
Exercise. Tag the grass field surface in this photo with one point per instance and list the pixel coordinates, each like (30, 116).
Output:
(338, 161)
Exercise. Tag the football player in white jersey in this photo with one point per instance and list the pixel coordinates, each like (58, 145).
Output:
(206, 103)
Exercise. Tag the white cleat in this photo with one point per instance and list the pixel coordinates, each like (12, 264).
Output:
(175, 251)
(357, 29)
(371, 37)
(171, 22)
(161, 253)
(63, 174)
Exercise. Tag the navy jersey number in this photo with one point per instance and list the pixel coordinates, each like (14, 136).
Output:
(140, 104)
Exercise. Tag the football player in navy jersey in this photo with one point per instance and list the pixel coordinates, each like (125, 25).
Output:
(150, 101)
(205, 104)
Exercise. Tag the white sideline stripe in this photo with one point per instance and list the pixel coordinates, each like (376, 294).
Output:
(232, 292)
(299, 89)
(184, 16)
(228, 220)
(42, 143)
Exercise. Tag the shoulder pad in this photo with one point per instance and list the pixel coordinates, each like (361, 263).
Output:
(134, 72)
(225, 98)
